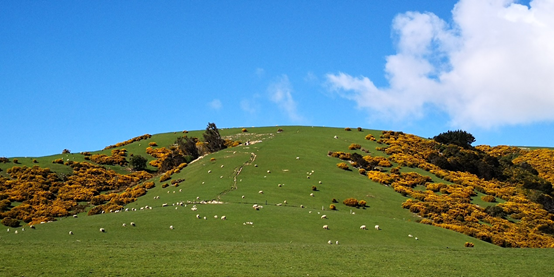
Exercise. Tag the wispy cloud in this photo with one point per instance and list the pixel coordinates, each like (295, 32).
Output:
(280, 93)
(215, 104)
(491, 67)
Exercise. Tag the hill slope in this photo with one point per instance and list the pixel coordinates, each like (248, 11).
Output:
(285, 237)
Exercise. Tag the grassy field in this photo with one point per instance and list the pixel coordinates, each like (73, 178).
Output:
(283, 239)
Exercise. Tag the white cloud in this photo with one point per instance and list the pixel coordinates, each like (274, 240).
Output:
(280, 92)
(215, 104)
(492, 67)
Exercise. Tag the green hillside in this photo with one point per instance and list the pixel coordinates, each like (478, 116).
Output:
(276, 170)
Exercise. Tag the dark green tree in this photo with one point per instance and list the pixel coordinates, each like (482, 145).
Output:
(213, 138)
(459, 137)
(137, 162)
(187, 145)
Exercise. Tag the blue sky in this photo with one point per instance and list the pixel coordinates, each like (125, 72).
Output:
(85, 74)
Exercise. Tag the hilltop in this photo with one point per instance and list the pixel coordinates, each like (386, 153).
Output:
(427, 198)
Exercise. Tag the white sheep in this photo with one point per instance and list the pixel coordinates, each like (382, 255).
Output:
(335, 137)
(410, 236)
(416, 238)
(209, 171)
(102, 230)
(330, 242)
(269, 171)
(223, 218)
(337, 242)
(123, 224)
(320, 182)
(312, 194)
(221, 166)
(8, 230)
(198, 216)
(285, 202)
(15, 232)
(326, 227)
(171, 227)
(205, 218)
(298, 158)
(215, 216)
(377, 227)
(74, 216)
(164, 205)
(363, 227)
(324, 216)
(302, 206)
(133, 224)
(70, 232)
(279, 185)
(261, 192)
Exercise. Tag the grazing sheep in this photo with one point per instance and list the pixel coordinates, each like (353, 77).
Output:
(330, 242)
(198, 216)
(133, 224)
(377, 227)
(205, 218)
(223, 218)
(279, 185)
(312, 194)
(123, 224)
(102, 230)
(335, 137)
(256, 165)
(70, 232)
(308, 177)
(363, 227)
(410, 236)
(171, 227)
(302, 206)
(15, 232)
(8, 230)
(326, 227)
(74, 216)
(285, 202)
(279, 204)
(180, 190)
(337, 242)
(164, 205)
(261, 192)
(209, 171)
(416, 238)
(215, 216)
(32, 226)
(324, 216)
(221, 166)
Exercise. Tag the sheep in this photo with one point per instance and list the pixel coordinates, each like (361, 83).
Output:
(324, 216)
(102, 230)
(335, 137)
(302, 206)
(416, 238)
(261, 192)
(326, 227)
(410, 236)
(279, 204)
(312, 194)
(279, 185)
(330, 242)
(298, 158)
(15, 232)
(285, 202)
(74, 216)
(70, 233)
(337, 242)
(180, 190)
(193, 209)
(215, 216)
(133, 224)
(256, 165)
(363, 227)
(171, 227)
(205, 218)
(164, 205)
(8, 230)
(320, 182)
(123, 224)
(377, 227)
(209, 171)
(198, 216)
(221, 166)
(223, 218)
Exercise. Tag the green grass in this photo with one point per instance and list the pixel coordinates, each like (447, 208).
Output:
(283, 240)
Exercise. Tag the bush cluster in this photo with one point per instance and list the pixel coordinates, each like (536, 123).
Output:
(146, 136)
(343, 166)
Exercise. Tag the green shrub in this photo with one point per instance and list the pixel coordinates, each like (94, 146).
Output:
(10, 222)
(137, 162)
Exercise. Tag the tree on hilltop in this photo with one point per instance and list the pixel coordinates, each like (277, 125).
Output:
(459, 137)
(213, 138)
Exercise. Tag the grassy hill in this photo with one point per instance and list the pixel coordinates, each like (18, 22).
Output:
(286, 235)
